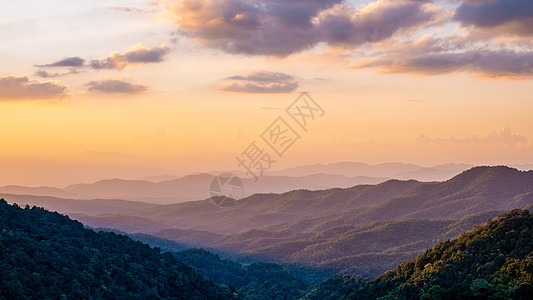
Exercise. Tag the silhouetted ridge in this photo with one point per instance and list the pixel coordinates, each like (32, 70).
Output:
(494, 261)
(46, 255)
(497, 181)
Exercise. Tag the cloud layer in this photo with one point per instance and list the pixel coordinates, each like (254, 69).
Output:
(111, 86)
(21, 88)
(46, 74)
(510, 16)
(261, 82)
(346, 25)
(430, 56)
(136, 55)
(66, 62)
(492, 38)
(280, 28)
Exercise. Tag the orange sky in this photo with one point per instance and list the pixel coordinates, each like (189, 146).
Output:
(132, 89)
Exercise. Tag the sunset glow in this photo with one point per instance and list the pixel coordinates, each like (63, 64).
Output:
(103, 89)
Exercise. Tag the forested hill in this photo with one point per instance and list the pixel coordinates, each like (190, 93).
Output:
(494, 261)
(45, 255)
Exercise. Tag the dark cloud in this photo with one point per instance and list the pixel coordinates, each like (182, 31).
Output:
(45, 74)
(136, 55)
(260, 27)
(347, 26)
(281, 28)
(512, 16)
(496, 63)
(493, 38)
(261, 82)
(267, 77)
(67, 62)
(115, 86)
(21, 88)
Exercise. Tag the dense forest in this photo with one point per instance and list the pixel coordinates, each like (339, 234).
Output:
(252, 281)
(45, 255)
(493, 261)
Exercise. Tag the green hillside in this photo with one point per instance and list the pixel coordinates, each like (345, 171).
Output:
(493, 261)
(252, 281)
(46, 255)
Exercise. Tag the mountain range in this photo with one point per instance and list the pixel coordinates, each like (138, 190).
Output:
(47, 255)
(168, 189)
(364, 229)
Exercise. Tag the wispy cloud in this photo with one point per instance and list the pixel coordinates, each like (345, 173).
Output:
(129, 9)
(136, 55)
(66, 62)
(504, 138)
(505, 146)
(111, 86)
(46, 74)
(21, 88)
(261, 82)
(432, 56)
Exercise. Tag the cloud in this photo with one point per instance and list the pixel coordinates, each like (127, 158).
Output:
(261, 82)
(492, 38)
(45, 74)
(136, 55)
(115, 86)
(503, 63)
(507, 16)
(280, 28)
(21, 88)
(499, 147)
(66, 62)
(430, 56)
(505, 138)
(345, 25)
(129, 9)
(150, 7)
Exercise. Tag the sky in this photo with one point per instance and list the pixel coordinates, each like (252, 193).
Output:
(100, 89)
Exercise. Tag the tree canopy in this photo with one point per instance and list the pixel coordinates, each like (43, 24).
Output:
(47, 255)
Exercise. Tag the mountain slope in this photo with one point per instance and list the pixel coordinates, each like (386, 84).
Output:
(474, 191)
(188, 188)
(88, 207)
(494, 261)
(388, 170)
(365, 229)
(368, 249)
(262, 210)
(253, 281)
(47, 255)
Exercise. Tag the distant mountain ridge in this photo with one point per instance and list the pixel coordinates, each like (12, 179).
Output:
(188, 188)
(172, 189)
(364, 229)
